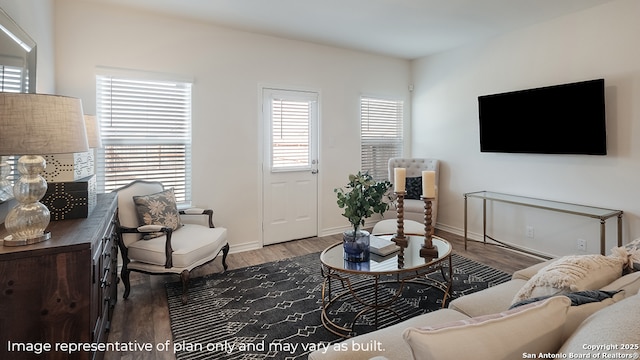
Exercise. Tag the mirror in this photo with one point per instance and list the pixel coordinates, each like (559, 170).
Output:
(17, 57)
(17, 74)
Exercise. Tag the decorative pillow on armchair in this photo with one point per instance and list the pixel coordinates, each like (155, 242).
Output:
(572, 273)
(414, 188)
(158, 209)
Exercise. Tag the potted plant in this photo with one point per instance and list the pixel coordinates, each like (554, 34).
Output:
(360, 198)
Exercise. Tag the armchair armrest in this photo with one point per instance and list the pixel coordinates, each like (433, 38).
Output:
(146, 229)
(150, 228)
(193, 211)
(199, 211)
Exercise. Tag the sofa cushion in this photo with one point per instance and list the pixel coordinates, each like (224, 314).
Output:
(630, 283)
(534, 328)
(616, 325)
(583, 304)
(488, 301)
(572, 273)
(390, 339)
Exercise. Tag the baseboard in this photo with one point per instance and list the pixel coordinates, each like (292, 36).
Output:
(254, 245)
(460, 232)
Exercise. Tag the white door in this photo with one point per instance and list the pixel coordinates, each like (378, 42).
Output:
(290, 183)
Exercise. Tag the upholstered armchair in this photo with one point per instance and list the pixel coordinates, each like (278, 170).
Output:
(155, 238)
(413, 205)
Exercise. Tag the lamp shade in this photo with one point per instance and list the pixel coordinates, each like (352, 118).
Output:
(33, 124)
(93, 131)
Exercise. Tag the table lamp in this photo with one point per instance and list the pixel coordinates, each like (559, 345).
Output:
(30, 125)
(93, 131)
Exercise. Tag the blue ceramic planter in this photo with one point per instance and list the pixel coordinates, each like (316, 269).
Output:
(356, 245)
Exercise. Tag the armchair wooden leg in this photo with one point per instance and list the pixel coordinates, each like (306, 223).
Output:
(184, 277)
(124, 275)
(225, 252)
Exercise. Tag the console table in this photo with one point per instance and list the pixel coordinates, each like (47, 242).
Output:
(62, 290)
(581, 210)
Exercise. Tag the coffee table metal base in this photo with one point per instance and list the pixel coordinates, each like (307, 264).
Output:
(364, 288)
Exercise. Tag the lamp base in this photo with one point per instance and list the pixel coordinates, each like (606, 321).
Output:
(9, 241)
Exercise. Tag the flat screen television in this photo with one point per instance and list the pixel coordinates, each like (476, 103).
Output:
(559, 119)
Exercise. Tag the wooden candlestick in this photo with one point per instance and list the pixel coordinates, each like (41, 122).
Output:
(399, 238)
(428, 251)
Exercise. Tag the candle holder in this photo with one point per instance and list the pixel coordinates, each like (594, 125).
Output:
(428, 251)
(399, 238)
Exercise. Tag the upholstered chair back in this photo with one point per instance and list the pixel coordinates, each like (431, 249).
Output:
(414, 208)
(127, 214)
(414, 166)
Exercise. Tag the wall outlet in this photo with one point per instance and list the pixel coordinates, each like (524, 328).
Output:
(529, 232)
(581, 244)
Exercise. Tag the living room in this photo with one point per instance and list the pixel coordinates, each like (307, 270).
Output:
(228, 67)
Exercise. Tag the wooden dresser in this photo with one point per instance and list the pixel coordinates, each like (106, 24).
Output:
(61, 292)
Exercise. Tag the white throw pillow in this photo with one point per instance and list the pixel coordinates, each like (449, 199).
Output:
(534, 328)
(572, 273)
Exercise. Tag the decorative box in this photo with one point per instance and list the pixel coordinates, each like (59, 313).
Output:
(68, 167)
(71, 199)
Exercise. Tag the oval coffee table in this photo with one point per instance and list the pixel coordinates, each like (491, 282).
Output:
(361, 282)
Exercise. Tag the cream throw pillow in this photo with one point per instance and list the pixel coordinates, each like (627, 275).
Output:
(572, 273)
(534, 328)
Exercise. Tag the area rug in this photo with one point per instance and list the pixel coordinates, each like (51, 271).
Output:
(273, 310)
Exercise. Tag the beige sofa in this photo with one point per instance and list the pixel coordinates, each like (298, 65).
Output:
(480, 326)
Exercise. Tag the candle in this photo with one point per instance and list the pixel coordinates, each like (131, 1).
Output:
(400, 181)
(429, 184)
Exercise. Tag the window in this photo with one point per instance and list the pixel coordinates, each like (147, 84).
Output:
(146, 133)
(381, 135)
(292, 114)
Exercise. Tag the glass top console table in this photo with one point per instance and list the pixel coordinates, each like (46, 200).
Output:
(581, 210)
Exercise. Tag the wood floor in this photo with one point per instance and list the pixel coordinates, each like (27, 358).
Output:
(144, 316)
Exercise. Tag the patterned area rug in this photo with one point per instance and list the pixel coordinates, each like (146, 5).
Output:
(273, 310)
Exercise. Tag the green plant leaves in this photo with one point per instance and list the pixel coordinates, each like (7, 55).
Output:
(362, 197)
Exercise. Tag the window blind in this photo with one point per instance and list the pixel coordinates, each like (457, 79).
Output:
(11, 79)
(146, 133)
(381, 135)
(290, 134)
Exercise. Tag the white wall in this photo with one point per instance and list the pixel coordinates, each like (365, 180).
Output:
(597, 43)
(228, 66)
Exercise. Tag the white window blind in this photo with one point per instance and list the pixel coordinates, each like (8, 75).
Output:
(146, 133)
(11, 79)
(381, 134)
(290, 134)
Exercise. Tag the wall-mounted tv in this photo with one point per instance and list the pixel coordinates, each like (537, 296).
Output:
(559, 119)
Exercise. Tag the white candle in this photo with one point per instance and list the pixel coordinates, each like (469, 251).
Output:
(399, 179)
(429, 184)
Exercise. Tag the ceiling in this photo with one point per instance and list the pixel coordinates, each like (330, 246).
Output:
(401, 28)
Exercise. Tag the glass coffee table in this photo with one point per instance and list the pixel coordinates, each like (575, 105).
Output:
(360, 284)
